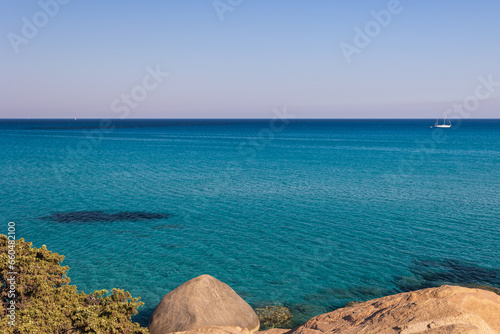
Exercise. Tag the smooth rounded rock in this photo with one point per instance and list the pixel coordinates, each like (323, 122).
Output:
(201, 302)
(217, 330)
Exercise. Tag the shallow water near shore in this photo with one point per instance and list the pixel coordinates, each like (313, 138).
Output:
(310, 215)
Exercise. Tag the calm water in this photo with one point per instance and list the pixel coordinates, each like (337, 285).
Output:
(310, 216)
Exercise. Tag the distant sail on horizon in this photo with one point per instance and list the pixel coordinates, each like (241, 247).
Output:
(444, 124)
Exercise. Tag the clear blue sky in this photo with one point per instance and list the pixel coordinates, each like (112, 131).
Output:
(264, 54)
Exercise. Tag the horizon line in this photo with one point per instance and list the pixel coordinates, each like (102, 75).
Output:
(240, 118)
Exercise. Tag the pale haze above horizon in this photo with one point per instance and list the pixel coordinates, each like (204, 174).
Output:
(244, 59)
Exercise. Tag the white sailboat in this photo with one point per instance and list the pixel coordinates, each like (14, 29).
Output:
(444, 124)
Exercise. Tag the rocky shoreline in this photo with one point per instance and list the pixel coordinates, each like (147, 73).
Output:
(207, 305)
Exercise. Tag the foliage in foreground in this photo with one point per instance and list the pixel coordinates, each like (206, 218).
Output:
(274, 317)
(45, 302)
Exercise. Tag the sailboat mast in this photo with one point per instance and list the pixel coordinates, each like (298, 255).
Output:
(442, 125)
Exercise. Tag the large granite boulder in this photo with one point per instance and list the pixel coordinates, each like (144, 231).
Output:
(443, 310)
(203, 301)
(217, 330)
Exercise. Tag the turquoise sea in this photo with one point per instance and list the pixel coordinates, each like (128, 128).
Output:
(309, 214)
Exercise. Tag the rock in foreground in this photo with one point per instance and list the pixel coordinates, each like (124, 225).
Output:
(201, 302)
(443, 310)
(217, 330)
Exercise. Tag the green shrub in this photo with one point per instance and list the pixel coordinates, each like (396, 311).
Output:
(274, 317)
(45, 302)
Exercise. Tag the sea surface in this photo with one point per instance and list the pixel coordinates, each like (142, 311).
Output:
(310, 214)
